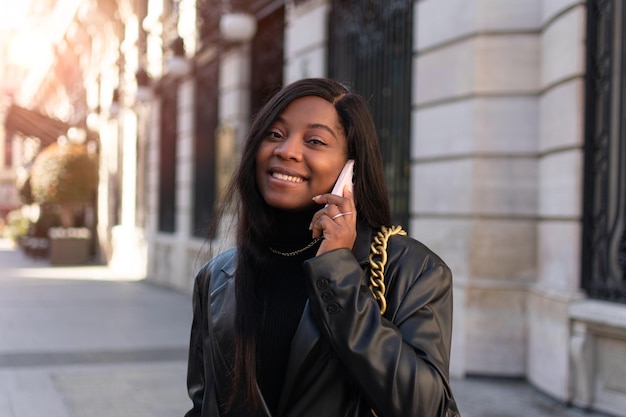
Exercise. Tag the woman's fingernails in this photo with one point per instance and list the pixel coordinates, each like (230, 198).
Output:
(316, 197)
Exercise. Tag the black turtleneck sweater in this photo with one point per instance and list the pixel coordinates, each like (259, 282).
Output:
(283, 296)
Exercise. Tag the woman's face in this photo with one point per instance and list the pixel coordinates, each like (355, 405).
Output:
(301, 155)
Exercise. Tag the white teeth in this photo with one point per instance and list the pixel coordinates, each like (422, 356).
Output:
(286, 177)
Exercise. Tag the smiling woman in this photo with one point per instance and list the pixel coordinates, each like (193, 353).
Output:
(301, 155)
(285, 323)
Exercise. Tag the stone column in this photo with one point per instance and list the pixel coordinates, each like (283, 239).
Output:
(474, 168)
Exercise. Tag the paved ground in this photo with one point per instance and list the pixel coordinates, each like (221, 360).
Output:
(85, 342)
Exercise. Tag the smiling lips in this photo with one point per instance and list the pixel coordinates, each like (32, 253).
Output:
(286, 177)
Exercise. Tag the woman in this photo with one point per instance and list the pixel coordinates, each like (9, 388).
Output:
(285, 324)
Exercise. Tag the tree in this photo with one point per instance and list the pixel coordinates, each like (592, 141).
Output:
(66, 176)
(24, 189)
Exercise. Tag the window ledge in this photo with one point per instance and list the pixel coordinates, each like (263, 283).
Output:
(599, 312)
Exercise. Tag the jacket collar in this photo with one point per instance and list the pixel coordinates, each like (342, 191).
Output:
(229, 266)
(306, 337)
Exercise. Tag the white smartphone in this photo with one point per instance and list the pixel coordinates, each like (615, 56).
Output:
(345, 178)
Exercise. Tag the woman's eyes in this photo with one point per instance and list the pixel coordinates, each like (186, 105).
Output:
(274, 135)
(315, 141)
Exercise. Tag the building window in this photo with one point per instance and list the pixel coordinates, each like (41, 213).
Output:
(167, 158)
(267, 77)
(604, 212)
(370, 48)
(206, 99)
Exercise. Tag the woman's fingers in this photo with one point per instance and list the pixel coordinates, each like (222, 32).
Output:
(338, 215)
(334, 206)
(332, 199)
(336, 221)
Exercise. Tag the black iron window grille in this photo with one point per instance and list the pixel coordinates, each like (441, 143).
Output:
(604, 208)
(370, 49)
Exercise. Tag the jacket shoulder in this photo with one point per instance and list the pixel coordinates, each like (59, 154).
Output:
(407, 253)
(217, 270)
(416, 248)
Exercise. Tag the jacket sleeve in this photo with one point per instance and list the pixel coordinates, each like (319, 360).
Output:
(195, 363)
(400, 360)
(200, 382)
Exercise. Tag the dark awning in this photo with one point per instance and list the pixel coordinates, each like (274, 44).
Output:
(32, 123)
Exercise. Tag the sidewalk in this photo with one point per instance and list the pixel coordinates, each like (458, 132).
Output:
(85, 342)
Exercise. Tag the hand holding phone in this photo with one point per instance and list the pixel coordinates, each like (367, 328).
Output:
(343, 231)
(345, 178)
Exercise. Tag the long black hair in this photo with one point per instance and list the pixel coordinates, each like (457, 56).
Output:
(255, 219)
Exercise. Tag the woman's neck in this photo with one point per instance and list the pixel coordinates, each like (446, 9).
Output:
(291, 229)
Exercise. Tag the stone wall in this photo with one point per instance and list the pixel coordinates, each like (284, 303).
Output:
(474, 168)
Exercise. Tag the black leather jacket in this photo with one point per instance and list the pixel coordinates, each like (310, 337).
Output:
(346, 359)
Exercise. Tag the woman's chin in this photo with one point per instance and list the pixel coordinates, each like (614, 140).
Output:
(290, 205)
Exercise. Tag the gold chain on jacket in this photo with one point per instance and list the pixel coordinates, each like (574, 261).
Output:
(377, 268)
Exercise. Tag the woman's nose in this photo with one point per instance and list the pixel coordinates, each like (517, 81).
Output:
(290, 148)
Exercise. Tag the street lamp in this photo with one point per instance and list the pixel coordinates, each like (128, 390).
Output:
(237, 27)
(76, 135)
